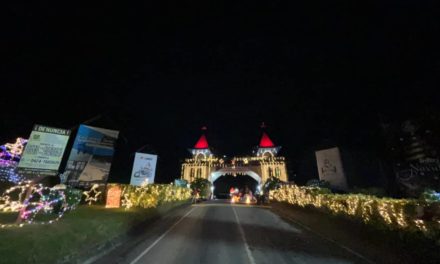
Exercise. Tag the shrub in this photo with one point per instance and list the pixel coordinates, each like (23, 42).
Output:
(271, 183)
(318, 183)
(203, 185)
(430, 196)
(152, 195)
(379, 192)
(384, 213)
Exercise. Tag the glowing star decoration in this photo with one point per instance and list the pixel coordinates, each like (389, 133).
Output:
(93, 194)
(13, 151)
(126, 202)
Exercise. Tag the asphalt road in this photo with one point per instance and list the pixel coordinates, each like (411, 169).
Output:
(218, 232)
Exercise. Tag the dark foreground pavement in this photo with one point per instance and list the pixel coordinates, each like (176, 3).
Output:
(218, 232)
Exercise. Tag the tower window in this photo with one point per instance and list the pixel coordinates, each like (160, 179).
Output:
(277, 172)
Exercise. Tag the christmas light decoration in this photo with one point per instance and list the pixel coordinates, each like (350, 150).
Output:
(10, 155)
(8, 172)
(13, 151)
(93, 194)
(42, 200)
(152, 195)
(12, 199)
(394, 214)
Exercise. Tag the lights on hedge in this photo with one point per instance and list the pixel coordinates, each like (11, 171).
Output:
(391, 213)
(152, 195)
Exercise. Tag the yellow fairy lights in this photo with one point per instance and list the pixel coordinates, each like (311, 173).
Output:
(152, 195)
(399, 214)
(93, 194)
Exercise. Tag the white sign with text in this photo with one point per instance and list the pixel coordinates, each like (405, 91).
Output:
(330, 168)
(144, 169)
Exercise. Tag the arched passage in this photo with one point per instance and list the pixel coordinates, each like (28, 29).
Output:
(239, 178)
(234, 171)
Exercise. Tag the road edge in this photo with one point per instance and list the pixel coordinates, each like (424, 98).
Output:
(108, 246)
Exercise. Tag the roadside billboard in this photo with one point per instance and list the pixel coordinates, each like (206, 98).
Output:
(330, 168)
(144, 169)
(91, 156)
(44, 151)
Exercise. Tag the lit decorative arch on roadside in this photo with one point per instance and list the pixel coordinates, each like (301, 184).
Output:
(262, 164)
(242, 171)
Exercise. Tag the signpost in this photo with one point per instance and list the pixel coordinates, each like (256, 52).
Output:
(91, 156)
(330, 168)
(44, 151)
(144, 169)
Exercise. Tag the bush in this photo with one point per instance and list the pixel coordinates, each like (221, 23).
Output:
(203, 185)
(318, 183)
(430, 196)
(73, 197)
(152, 195)
(379, 192)
(272, 183)
(384, 213)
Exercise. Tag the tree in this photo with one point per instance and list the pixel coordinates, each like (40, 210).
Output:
(271, 184)
(203, 185)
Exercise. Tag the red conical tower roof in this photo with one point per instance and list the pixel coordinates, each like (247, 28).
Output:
(266, 142)
(202, 143)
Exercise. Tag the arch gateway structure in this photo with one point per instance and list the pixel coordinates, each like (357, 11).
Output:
(262, 164)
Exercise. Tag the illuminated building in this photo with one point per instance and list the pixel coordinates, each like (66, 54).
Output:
(264, 163)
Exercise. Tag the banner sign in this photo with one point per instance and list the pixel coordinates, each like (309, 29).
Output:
(180, 183)
(413, 176)
(144, 169)
(91, 156)
(330, 168)
(44, 150)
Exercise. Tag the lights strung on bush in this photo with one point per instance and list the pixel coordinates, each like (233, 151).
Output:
(394, 214)
(152, 195)
(42, 200)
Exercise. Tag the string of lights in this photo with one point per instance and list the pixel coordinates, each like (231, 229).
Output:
(42, 200)
(394, 214)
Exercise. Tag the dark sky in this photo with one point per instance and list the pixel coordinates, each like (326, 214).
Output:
(314, 71)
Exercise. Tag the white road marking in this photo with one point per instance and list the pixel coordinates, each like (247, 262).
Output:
(248, 251)
(160, 238)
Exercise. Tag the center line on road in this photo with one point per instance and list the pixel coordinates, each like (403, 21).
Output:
(160, 238)
(248, 251)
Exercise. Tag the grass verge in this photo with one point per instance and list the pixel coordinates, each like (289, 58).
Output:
(378, 245)
(82, 230)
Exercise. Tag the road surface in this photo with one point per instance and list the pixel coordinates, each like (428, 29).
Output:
(218, 232)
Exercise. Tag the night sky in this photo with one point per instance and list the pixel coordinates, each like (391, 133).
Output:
(318, 73)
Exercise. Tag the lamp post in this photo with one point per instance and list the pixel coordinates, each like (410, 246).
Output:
(212, 192)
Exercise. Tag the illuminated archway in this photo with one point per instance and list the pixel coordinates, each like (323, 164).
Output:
(234, 171)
